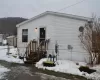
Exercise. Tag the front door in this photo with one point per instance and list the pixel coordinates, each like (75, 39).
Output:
(42, 34)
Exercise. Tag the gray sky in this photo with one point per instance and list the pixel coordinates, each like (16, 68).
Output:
(30, 8)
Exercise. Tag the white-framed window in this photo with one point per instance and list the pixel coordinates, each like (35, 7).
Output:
(24, 35)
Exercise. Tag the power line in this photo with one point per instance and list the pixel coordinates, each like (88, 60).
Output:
(71, 5)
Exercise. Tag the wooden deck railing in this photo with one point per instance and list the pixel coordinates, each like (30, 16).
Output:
(33, 48)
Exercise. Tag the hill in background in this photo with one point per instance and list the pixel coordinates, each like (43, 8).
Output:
(8, 25)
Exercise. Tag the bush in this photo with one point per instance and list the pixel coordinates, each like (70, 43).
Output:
(48, 64)
(14, 56)
(20, 57)
(77, 63)
(8, 53)
(86, 69)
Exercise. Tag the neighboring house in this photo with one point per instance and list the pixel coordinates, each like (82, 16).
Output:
(57, 27)
(12, 41)
(1, 39)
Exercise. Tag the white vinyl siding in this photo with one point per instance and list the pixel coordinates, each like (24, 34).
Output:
(61, 29)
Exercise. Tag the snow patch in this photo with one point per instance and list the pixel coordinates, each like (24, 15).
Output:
(70, 67)
(11, 57)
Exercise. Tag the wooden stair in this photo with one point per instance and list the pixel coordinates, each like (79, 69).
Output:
(34, 52)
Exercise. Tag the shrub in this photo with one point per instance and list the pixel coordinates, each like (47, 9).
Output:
(86, 69)
(9, 53)
(14, 56)
(49, 64)
(77, 63)
(20, 57)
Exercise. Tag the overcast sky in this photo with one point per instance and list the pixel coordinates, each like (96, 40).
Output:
(30, 8)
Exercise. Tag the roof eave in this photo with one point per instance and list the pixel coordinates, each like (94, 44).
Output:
(31, 19)
(55, 13)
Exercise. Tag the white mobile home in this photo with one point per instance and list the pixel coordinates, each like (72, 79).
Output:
(57, 27)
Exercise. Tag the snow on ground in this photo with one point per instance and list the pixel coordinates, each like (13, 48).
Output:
(11, 57)
(2, 71)
(70, 67)
(96, 75)
(63, 66)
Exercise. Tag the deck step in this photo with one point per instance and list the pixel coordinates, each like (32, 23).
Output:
(33, 52)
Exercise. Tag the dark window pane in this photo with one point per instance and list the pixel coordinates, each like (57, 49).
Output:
(25, 35)
(25, 32)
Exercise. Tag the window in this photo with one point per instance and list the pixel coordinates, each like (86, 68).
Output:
(81, 28)
(24, 35)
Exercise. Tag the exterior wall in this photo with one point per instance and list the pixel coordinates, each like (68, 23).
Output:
(66, 33)
(63, 30)
(37, 23)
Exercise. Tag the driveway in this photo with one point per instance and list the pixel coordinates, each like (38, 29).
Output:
(29, 72)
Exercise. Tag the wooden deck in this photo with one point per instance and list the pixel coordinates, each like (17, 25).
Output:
(34, 51)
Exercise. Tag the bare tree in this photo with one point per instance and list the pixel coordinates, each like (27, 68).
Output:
(90, 39)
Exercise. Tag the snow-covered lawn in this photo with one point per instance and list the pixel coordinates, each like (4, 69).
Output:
(70, 67)
(2, 71)
(11, 57)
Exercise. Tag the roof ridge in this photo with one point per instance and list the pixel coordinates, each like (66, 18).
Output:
(55, 13)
